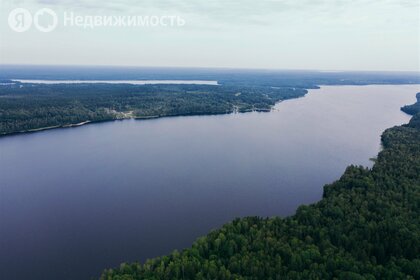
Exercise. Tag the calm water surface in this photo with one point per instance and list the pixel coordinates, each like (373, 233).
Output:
(75, 201)
(132, 82)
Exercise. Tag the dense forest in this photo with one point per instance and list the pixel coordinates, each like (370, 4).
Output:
(413, 108)
(26, 107)
(367, 226)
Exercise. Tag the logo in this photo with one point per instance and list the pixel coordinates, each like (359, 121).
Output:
(51, 18)
(46, 20)
(20, 20)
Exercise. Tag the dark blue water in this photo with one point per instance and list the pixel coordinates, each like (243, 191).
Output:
(75, 201)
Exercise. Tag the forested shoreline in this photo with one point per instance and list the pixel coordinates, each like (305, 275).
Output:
(35, 107)
(367, 226)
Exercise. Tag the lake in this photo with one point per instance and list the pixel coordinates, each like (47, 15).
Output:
(77, 200)
(131, 82)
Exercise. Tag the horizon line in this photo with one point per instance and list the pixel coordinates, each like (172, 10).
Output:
(208, 68)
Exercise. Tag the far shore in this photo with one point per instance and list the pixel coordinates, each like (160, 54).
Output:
(48, 128)
(131, 82)
(136, 118)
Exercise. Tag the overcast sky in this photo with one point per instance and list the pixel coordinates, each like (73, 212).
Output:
(281, 34)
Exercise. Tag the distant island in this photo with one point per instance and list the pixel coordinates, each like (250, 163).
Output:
(367, 226)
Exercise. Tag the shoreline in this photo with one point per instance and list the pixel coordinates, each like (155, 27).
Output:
(139, 118)
(47, 128)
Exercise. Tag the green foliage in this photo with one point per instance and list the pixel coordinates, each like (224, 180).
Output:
(367, 226)
(25, 107)
(413, 108)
